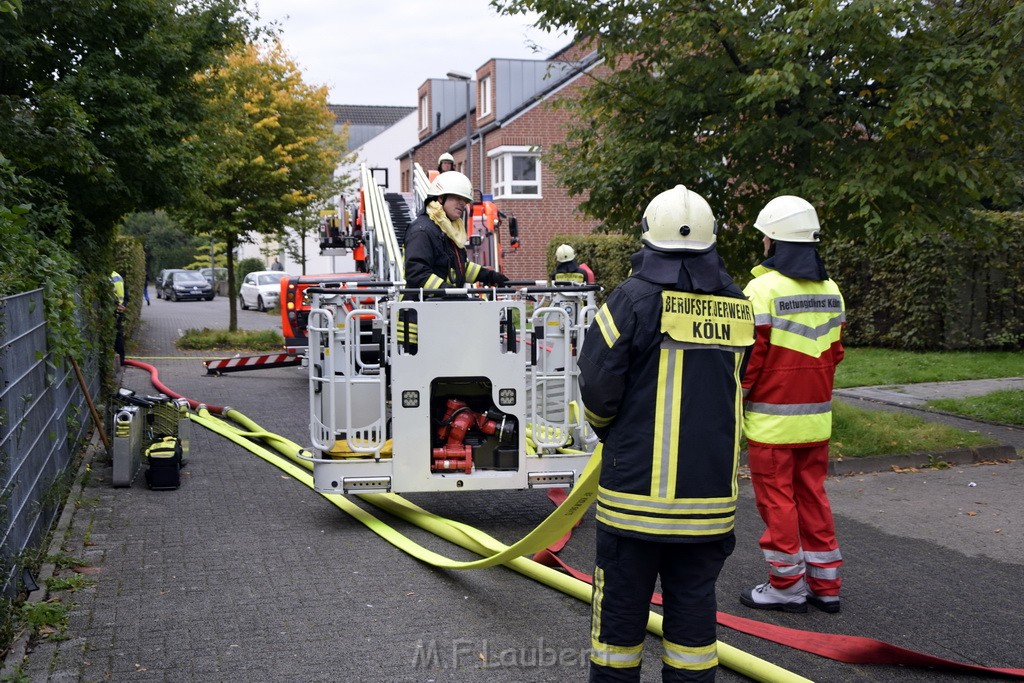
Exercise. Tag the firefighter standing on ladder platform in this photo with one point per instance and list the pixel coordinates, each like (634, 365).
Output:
(800, 316)
(445, 163)
(435, 243)
(660, 377)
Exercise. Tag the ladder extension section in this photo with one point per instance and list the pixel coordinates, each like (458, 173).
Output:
(378, 221)
(421, 186)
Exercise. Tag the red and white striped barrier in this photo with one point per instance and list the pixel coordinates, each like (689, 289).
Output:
(239, 363)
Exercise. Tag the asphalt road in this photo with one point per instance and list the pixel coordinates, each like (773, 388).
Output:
(243, 574)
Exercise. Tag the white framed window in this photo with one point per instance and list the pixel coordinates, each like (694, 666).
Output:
(483, 98)
(424, 113)
(515, 172)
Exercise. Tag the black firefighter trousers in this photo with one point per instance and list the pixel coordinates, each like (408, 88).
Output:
(624, 580)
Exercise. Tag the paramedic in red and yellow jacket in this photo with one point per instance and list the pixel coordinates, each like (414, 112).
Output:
(799, 316)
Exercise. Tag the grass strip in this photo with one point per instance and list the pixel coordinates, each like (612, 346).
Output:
(999, 406)
(861, 433)
(866, 367)
(252, 340)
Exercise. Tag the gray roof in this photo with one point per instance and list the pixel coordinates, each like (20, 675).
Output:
(369, 114)
(366, 121)
(521, 84)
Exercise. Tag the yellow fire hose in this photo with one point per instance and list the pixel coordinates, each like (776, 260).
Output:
(468, 537)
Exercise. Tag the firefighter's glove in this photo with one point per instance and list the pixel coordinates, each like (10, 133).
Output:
(498, 279)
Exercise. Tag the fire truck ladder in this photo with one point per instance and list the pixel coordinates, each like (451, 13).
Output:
(240, 363)
(388, 261)
(421, 185)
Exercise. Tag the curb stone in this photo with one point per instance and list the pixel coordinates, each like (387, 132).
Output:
(886, 463)
(956, 456)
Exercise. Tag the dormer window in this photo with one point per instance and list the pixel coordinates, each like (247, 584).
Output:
(483, 99)
(424, 113)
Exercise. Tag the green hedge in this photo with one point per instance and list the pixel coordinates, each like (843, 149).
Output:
(72, 294)
(932, 293)
(936, 293)
(246, 266)
(130, 262)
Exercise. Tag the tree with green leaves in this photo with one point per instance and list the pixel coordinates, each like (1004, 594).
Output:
(97, 99)
(167, 244)
(211, 255)
(271, 150)
(895, 117)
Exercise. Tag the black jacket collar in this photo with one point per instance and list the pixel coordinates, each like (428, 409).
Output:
(683, 271)
(799, 260)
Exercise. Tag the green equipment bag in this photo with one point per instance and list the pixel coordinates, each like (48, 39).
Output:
(164, 460)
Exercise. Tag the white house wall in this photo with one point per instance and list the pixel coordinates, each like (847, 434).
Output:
(315, 263)
(382, 152)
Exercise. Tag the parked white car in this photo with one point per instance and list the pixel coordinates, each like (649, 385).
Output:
(261, 289)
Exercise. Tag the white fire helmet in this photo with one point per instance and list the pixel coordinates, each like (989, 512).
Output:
(679, 220)
(446, 157)
(565, 253)
(789, 219)
(451, 182)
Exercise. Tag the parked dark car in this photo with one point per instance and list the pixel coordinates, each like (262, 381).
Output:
(163, 277)
(208, 273)
(187, 284)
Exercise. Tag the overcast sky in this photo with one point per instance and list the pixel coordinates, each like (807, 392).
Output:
(381, 51)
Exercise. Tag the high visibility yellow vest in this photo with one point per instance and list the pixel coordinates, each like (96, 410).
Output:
(798, 344)
(118, 282)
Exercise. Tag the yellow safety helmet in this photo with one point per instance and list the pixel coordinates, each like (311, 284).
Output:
(451, 182)
(789, 219)
(679, 220)
(565, 253)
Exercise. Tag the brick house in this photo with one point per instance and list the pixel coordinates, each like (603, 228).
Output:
(512, 126)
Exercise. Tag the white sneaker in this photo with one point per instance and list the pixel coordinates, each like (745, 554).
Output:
(767, 596)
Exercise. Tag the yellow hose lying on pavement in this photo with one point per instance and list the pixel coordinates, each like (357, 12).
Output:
(494, 551)
(547, 532)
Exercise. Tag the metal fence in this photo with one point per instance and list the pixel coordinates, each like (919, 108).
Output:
(44, 419)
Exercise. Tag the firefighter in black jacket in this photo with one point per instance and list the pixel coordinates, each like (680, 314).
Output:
(660, 372)
(435, 243)
(568, 271)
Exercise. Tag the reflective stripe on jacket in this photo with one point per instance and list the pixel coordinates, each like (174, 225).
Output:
(571, 278)
(660, 380)
(569, 273)
(788, 381)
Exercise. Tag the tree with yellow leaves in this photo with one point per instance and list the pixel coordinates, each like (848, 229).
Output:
(270, 147)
